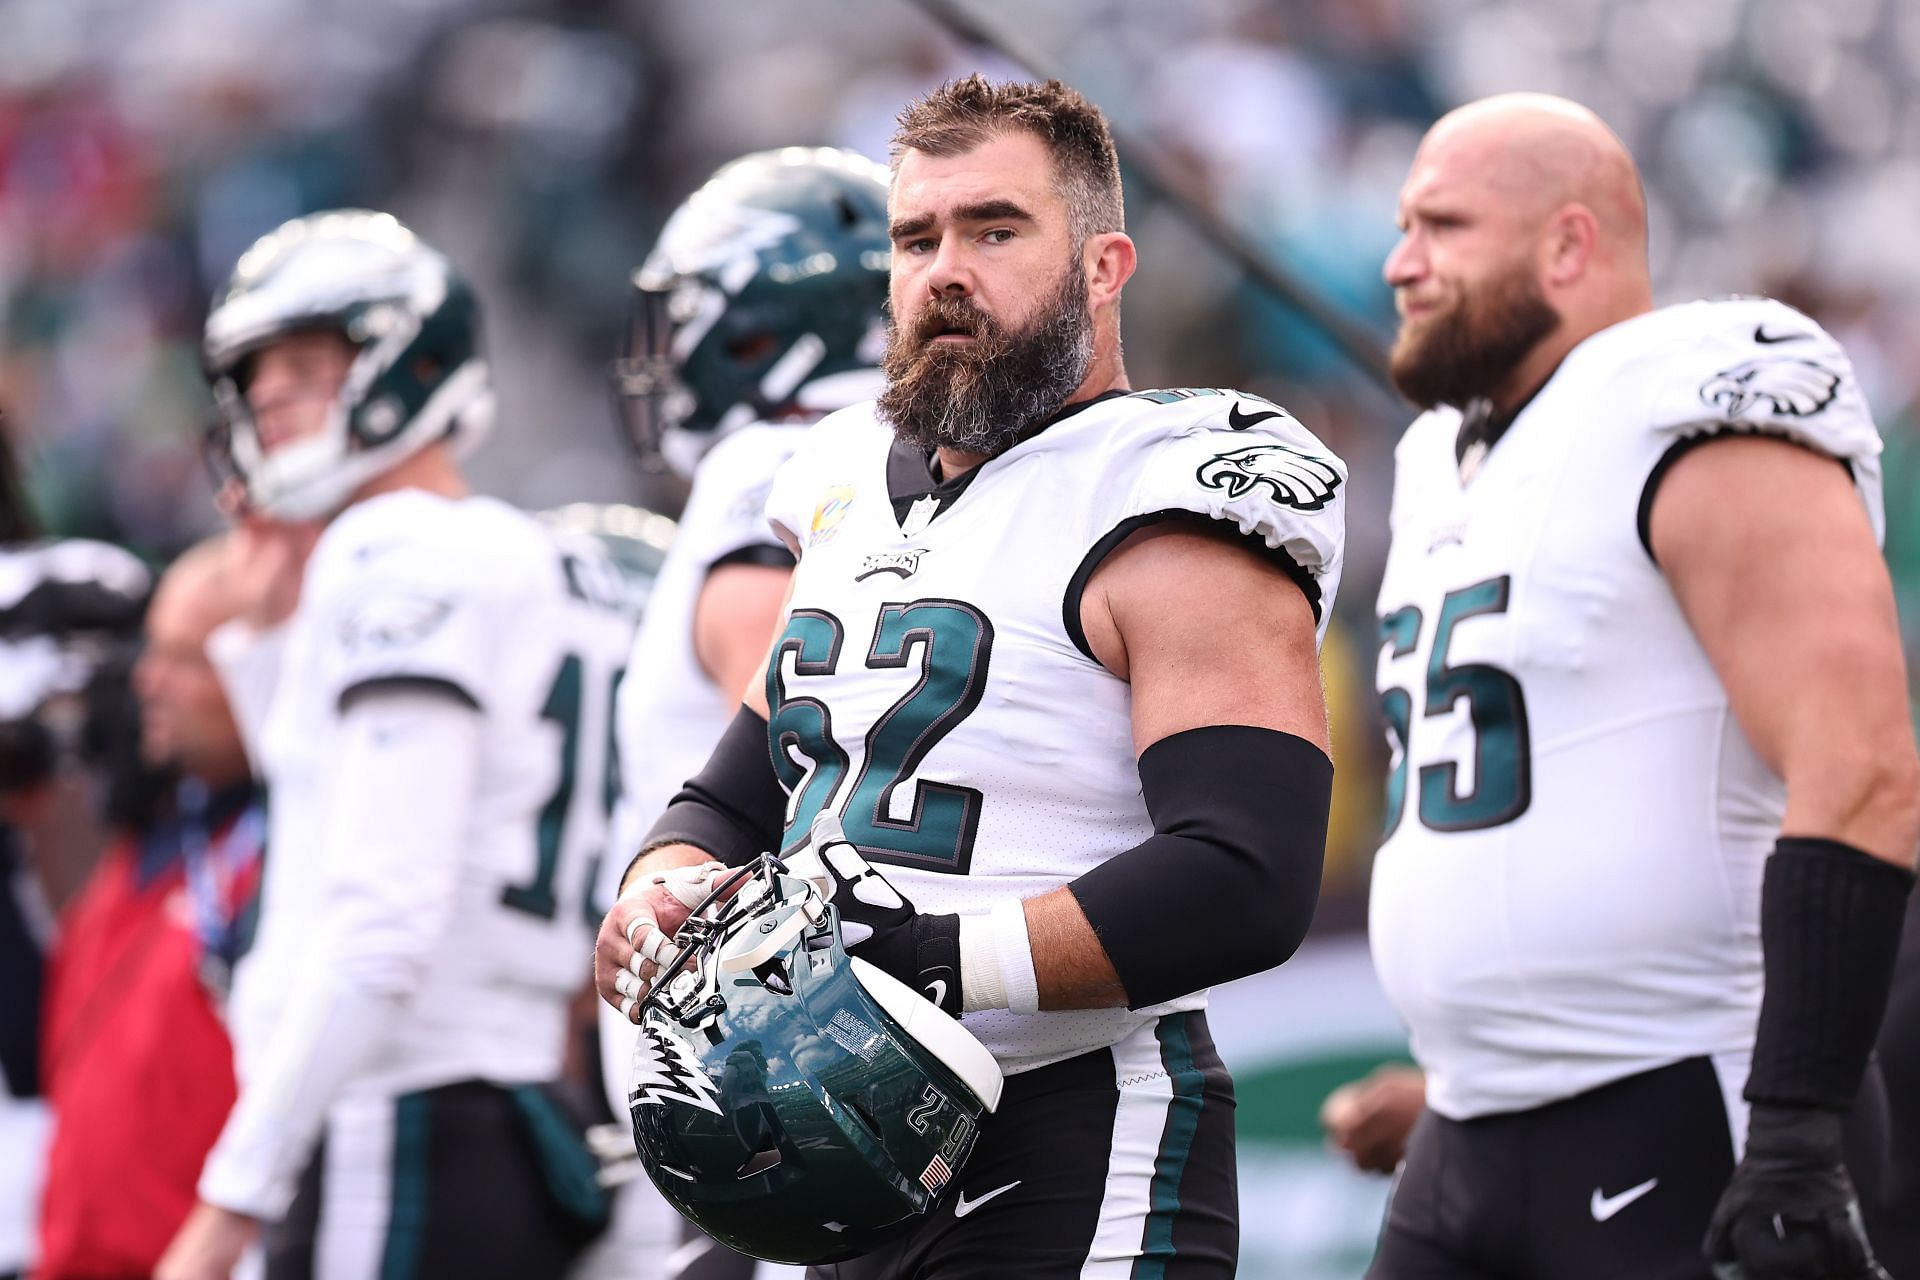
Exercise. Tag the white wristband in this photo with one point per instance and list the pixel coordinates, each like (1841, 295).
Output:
(996, 961)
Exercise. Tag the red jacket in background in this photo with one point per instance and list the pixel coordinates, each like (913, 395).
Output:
(137, 1066)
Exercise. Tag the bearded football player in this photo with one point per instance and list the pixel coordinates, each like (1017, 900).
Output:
(1043, 708)
(1653, 805)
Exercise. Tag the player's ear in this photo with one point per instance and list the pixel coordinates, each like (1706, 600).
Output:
(1567, 244)
(1109, 259)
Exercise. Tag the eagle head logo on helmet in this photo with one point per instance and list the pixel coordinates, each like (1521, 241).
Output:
(1788, 388)
(1292, 478)
(763, 301)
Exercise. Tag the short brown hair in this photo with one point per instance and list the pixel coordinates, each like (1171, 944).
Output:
(962, 114)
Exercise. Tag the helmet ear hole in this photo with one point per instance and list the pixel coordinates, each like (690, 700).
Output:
(773, 976)
(862, 1112)
(767, 1157)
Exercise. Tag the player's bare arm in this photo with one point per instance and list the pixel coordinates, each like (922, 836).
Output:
(1773, 560)
(1153, 615)
(736, 615)
(1774, 563)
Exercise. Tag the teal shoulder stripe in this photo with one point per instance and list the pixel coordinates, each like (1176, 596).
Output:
(1176, 1144)
(407, 1219)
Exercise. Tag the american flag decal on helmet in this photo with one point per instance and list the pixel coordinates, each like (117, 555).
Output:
(936, 1176)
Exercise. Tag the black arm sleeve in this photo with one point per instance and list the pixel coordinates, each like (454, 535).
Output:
(1830, 920)
(769, 555)
(1227, 884)
(734, 808)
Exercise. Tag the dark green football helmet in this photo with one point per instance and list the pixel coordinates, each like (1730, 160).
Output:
(796, 1103)
(769, 279)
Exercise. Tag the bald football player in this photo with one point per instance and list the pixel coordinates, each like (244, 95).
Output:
(1655, 795)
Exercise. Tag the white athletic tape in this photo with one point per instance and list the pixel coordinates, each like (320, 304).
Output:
(626, 1007)
(690, 885)
(659, 948)
(996, 961)
(627, 982)
(634, 924)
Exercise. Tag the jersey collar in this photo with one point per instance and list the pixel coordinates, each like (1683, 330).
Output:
(910, 470)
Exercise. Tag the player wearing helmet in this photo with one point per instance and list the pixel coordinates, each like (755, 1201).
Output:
(760, 309)
(428, 690)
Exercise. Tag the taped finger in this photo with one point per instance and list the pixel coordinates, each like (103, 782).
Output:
(690, 885)
(627, 1005)
(633, 925)
(659, 948)
(627, 982)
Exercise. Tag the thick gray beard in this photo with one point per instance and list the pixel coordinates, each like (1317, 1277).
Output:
(986, 397)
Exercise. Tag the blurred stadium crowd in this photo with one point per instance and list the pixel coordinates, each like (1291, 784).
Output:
(541, 144)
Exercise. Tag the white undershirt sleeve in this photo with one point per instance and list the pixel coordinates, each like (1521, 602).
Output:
(402, 792)
(248, 662)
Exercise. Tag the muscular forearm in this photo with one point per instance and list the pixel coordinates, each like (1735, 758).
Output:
(1071, 968)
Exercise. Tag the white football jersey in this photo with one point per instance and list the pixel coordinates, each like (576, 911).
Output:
(1569, 891)
(530, 626)
(932, 685)
(670, 712)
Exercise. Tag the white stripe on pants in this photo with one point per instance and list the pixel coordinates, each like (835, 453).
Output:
(356, 1190)
(1139, 1123)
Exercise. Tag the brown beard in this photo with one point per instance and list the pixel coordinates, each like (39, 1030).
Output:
(1466, 352)
(987, 395)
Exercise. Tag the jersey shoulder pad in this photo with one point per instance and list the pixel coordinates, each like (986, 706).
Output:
(1750, 365)
(417, 588)
(1229, 456)
(727, 508)
(813, 488)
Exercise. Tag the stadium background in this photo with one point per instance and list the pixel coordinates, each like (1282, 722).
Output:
(143, 145)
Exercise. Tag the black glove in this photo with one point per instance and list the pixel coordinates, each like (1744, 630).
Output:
(879, 925)
(1790, 1211)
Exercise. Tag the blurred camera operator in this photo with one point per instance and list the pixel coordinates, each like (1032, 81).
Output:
(139, 973)
(65, 608)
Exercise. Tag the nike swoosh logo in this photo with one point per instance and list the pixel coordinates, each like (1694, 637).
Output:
(1604, 1207)
(1241, 421)
(963, 1206)
(1760, 334)
(937, 990)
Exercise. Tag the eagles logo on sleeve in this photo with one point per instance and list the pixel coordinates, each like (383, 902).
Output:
(1789, 388)
(665, 1071)
(393, 620)
(1294, 479)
